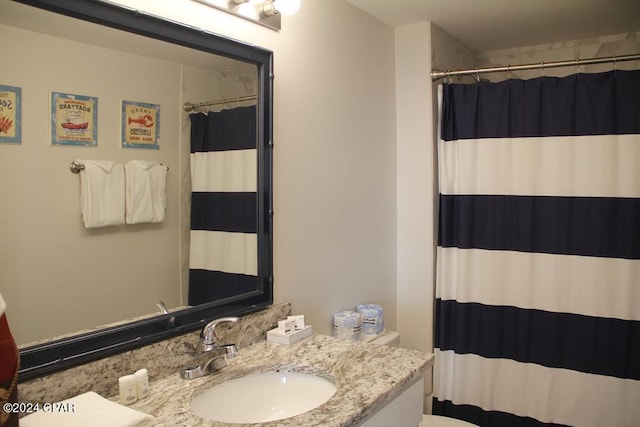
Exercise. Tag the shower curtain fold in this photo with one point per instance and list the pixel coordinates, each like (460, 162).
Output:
(223, 237)
(538, 259)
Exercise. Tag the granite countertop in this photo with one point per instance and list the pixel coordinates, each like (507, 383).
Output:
(367, 377)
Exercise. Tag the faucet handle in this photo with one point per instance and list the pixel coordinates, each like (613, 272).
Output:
(208, 334)
(230, 349)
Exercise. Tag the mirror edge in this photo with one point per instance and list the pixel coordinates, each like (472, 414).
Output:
(50, 357)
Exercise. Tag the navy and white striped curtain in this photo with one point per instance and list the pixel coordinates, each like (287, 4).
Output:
(538, 259)
(223, 257)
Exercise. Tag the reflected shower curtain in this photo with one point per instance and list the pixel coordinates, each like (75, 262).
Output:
(223, 256)
(538, 259)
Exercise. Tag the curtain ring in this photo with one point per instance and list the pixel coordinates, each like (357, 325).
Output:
(615, 64)
(577, 65)
(508, 71)
(542, 66)
(477, 76)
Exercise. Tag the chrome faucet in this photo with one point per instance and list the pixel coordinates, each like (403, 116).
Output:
(210, 356)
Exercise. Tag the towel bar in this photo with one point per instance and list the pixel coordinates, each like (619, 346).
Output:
(76, 167)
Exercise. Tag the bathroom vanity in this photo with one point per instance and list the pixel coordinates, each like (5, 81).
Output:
(370, 380)
(374, 383)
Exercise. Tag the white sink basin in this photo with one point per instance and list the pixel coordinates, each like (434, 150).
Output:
(262, 397)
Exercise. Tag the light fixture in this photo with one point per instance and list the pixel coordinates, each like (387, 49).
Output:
(285, 7)
(264, 12)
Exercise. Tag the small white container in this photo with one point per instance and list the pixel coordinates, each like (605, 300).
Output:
(127, 386)
(299, 321)
(286, 326)
(142, 383)
(276, 336)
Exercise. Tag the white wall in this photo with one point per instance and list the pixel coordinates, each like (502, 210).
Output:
(334, 158)
(595, 47)
(415, 186)
(449, 54)
(416, 197)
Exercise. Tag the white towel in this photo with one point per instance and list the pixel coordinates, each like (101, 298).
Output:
(3, 305)
(146, 199)
(101, 193)
(88, 409)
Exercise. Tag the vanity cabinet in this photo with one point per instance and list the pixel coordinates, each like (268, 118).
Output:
(404, 410)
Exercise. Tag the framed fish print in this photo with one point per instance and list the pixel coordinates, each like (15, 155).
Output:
(10, 114)
(74, 119)
(140, 125)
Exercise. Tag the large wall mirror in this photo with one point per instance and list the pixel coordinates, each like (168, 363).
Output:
(75, 293)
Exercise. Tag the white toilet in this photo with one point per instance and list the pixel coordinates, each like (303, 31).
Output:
(392, 339)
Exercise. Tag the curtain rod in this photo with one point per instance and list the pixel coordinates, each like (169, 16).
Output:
(188, 107)
(437, 74)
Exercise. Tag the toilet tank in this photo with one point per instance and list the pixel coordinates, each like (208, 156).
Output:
(390, 338)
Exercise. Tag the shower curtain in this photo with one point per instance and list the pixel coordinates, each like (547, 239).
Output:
(223, 255)
(538, 258)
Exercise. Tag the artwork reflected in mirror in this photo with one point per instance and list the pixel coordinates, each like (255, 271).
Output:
(60, 277)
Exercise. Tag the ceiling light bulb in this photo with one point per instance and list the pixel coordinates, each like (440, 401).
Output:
(287, 7)
(284, 7)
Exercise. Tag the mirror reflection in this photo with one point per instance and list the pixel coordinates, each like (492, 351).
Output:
(59, 277)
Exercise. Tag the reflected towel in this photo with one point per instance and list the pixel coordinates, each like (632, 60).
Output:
(101, 193)
(145, 193)
(88, 409)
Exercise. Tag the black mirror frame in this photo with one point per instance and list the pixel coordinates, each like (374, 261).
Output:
(53, 356)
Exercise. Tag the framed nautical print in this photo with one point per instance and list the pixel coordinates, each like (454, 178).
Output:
(10, 114)
(140, 125)
(74, 119)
